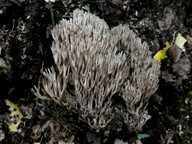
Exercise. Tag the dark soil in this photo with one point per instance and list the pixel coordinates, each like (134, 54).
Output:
(25, 41)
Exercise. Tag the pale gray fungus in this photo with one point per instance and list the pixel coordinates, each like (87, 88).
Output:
(98, 63)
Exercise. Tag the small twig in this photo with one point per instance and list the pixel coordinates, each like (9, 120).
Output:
(52, 15)
(13, 25)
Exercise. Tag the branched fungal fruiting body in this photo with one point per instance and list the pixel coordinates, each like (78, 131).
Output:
(98, 62)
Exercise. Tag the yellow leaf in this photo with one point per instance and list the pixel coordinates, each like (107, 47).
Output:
(189, 39)
(190, 92)
(15, 116)
(162, 53)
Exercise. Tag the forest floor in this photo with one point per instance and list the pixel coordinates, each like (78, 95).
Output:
(25, 41)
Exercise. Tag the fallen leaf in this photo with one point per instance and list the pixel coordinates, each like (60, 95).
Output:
(140, 136)
(15, 116)
(182, 67)
(162, 53)
(189, 40)
(175, 53)
(180, 41)
(190, 92)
